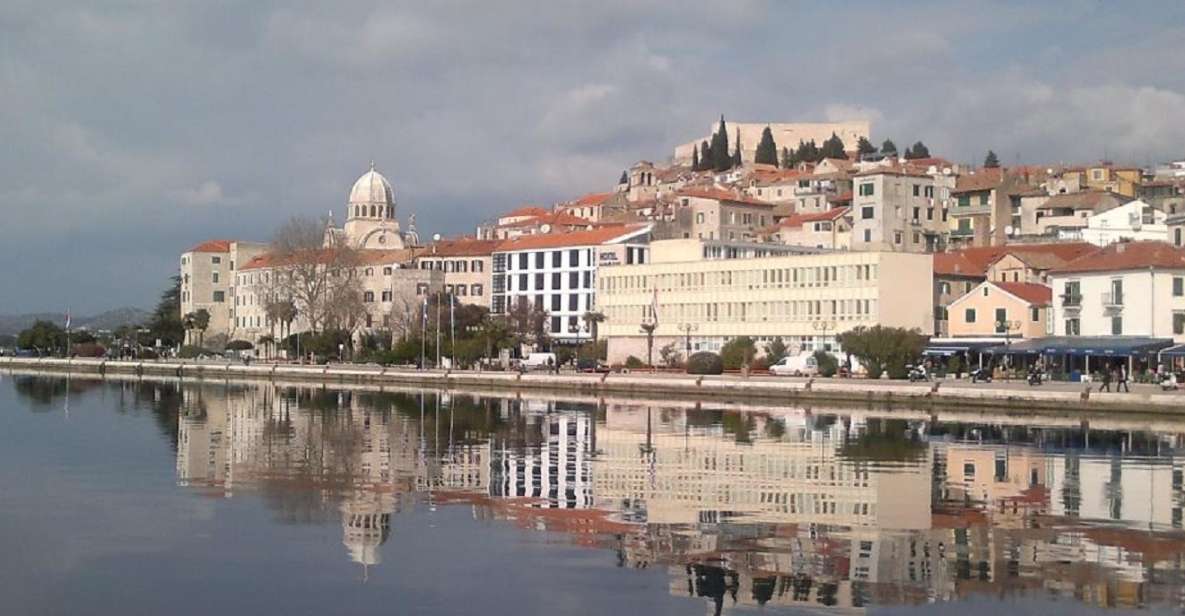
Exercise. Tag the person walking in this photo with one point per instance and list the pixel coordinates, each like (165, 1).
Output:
(1106, 386)
(1122, 381)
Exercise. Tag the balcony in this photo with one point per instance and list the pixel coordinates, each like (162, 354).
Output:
(1113, 301)
(1071, 301)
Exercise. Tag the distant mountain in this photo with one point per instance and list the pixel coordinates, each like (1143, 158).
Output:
(12, 324)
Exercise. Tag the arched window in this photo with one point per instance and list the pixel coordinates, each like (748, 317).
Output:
(372, 211)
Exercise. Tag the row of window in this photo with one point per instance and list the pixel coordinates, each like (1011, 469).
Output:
(542, 259)
(460, 290)
(556, 301)
(454, 265)
(374, 211)
(774, 278)
(522, 282)
(1001, 321)
(802, 310)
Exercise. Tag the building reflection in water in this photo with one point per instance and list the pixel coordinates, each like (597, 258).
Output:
(788, 507)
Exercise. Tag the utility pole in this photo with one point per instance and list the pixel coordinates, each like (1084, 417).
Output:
(438, 298)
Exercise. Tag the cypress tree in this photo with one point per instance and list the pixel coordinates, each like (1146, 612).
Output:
(833, 148)
(888, 147)
(787, 158)
(991, 161)
(767, 150)
(807, 152)
(721, 161)
(918, 150)
(736, 154)
(695, 158)
(865, 147)
(705, 156)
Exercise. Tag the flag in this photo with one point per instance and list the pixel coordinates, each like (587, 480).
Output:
(654, 307)
(67, 318)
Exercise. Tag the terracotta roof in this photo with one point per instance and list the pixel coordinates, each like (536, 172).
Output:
(1050, 256)
(1036, 294)
(1084, 200)
(461, 247)
(591, 199)
(984, 179)
(526, 210)
(797, 220)
(976, 260)
(841, 198)
(720, 195)
(590, 237)
(553, 218)
(212, 246)
(325, 255)
(1122, 256)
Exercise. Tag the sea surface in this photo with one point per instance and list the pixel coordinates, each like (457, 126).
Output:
(152, 497)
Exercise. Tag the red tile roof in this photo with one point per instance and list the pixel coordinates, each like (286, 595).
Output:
(1033, 293)
(590, 237)
(212, 246)
(1124, 256)
(460, 247)
(591, 199)
(526, 210)
(554, 218)
(326, 255)
(976, 260)
(721, 195)
(797, 220)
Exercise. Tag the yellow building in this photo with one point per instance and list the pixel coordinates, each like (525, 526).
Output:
(805, 299)
(1017, 309)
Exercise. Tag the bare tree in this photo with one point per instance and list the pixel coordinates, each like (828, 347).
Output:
(315, 271)
(404, 317)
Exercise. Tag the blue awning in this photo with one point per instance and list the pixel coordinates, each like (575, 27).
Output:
(1112, 346)
(950, 347)
(1174, 351)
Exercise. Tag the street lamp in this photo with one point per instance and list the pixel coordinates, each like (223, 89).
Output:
(1006, 327)
(576, 329)
(823, 326)
(687, 328)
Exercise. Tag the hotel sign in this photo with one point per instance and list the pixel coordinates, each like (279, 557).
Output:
(608, 258)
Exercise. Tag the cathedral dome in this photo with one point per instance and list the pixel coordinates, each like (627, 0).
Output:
(372, 189)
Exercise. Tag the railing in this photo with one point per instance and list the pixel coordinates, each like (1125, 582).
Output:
(1113, 300)
(1071, 300)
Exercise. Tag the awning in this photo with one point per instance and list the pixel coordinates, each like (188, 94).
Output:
(1174, 351)
(1116, 346)
(948, 346)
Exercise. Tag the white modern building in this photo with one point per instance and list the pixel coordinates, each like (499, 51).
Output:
(1134, 220)
(556, 273)
(1123, 289)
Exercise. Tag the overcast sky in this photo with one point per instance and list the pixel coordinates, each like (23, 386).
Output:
(131, 130)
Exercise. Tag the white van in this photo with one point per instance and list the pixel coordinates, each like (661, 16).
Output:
(538, 361)
(803, 364)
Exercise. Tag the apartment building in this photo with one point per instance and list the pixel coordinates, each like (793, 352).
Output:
(831, 229)
(716, 214)
(466, 265)
(1005, 309)
(1134, 220)
(1124, 289)
(207, 280)
(900, 210)
(557, 272)
(805, 299)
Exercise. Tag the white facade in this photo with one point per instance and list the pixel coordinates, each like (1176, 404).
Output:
(1134, 220)
(1145, 302)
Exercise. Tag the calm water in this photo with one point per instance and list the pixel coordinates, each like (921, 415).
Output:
(152, 498)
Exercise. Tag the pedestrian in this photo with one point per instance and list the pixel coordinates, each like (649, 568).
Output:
(1123, 380)
(1106, 386)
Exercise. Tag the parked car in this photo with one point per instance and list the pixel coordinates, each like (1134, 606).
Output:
(803, 364)
(588, 364)
(538, 361)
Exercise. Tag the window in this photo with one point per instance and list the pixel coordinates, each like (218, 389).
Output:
(1178, 287)
(896, 237)
(522, 260)
(387, 271)
(699, 218)
(1001, 320)
(867, 189)
(386, 296)
(1035, 314)
(1179, 322)
(215, 259)
(867, 212)
(475, 290)
(917, 190)
(368, 296)
(1178, 238)
(557, 258)
(219, 297)
(964, 200)
(215, 277)
(539, 260)
(1116, 326)
(1073, 327)
(555, 302)
(555, 325)
(461, 289)
(477, 265)
(573, 280)
(573, 302)
(574, 258)
(539, 281)
(556, 279)
(522, 282)
(868, 235)
(421, 288)
(969, 315)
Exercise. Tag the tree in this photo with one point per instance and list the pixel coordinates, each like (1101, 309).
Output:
(888, 147)
(721, 161)
(738, 352)
(44, 337)
(695, 158)
(767, 150)
(311, 271)
(787, 158)
(916, 151)
(775, 351)
(736, 153)
(882, 349)
(833, 148)
(991, 161)
(807, 152)
(864, 147)
(165, 323)
(826, 362)
(201, 321)
(594, 319)
(705, 156)
(669, 355)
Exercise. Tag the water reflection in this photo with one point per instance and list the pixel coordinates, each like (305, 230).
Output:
(783, 508)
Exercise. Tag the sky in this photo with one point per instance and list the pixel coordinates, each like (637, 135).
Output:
(133, 129)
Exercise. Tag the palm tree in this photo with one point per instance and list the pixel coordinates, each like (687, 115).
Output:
(594, 320)
(268, 342)
(188, 322)
(201, 320)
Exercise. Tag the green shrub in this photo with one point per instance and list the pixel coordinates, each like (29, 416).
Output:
(634, 363)
(954, 365)
(190, 351)
(239, 345)
(705, 362)
(738, 352)
(884, 349)
(775, 351)
(828, 365)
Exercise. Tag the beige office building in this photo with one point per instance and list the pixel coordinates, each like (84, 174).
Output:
(806, 299)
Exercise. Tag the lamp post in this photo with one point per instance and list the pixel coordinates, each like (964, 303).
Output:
(687, 328)
(648, 328)
(576, 330)
(823, 326)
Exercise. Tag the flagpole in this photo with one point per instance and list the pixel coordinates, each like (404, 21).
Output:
(438, 329)
(423, 329)
(452, 334)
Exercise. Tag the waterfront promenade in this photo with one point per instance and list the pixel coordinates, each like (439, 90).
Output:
(1014, 395)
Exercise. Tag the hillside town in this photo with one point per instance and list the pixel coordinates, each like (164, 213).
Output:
(784, 234)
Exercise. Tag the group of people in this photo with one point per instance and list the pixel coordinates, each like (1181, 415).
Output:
(1120, 377)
